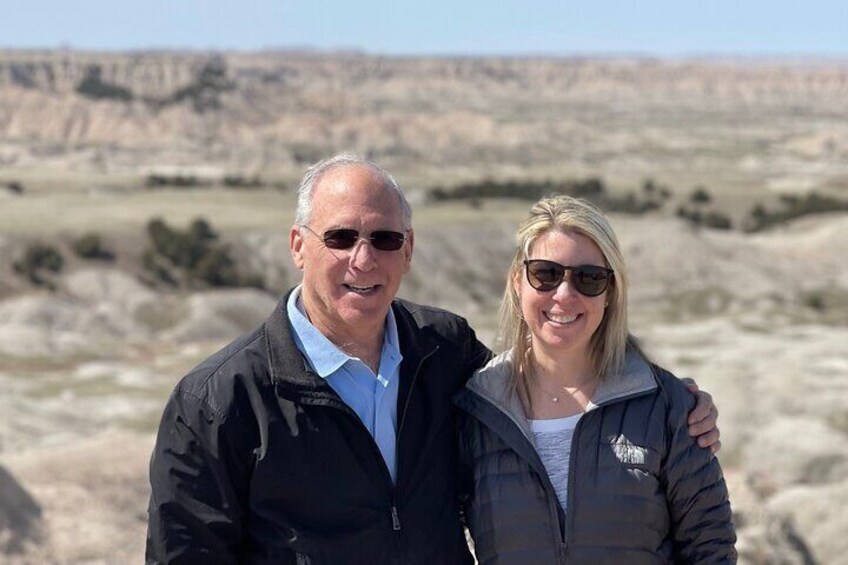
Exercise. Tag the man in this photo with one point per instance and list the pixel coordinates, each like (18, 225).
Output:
(326, 434)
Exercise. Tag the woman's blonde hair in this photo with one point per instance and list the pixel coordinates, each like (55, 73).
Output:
(569, 215)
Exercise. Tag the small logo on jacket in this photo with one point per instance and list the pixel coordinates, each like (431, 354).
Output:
(629, 453)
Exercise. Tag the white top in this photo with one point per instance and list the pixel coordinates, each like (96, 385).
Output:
(553, 443)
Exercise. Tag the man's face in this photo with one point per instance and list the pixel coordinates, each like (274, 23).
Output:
(347, 293)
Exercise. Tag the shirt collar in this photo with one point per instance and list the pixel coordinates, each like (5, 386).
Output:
(324, 356)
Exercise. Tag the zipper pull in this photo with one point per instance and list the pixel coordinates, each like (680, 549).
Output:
(395, 519)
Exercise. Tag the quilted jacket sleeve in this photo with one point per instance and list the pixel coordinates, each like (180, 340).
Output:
(198, 484)
(698, 503)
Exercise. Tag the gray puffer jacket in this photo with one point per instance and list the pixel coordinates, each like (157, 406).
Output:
(640, 490)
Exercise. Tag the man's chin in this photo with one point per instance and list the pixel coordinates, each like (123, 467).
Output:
(355, 306)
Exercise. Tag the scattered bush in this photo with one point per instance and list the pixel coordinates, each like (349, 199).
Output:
(158, 180)
(200, 230)
(14, 187)
(216, 268)
(158, 268)
(708, 219)
(630, 203)
(306, 154)
(38, 261)
(238, 181)
(655, 192)
(700, 196)
(814, 300)
(194, 257)
(524, 190)
(760, 218)
(204, 92)
(92, 86)
(717, 220)
(90, 246)
(592, 189)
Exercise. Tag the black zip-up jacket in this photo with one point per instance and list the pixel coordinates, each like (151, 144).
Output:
(258, 460)
(640, 490)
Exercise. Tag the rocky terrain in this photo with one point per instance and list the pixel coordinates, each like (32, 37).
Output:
(87, 361)
(752, 124)
(85, 371)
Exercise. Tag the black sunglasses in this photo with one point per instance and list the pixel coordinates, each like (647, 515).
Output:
(343, 238)
(588, 280)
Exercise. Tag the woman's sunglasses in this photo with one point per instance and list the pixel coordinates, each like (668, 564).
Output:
(384, 240)
(588, 280)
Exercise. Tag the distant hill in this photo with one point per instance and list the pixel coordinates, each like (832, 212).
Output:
(728, 123)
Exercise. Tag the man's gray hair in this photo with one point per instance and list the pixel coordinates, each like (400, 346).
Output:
(314, 173)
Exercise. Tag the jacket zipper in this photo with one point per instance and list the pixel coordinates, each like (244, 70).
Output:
(551, 499)
(396, 526)
(569, 510)
(563, 535)
(339, 404)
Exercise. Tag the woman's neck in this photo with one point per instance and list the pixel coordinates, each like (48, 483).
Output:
(558, 387)
(570, 369)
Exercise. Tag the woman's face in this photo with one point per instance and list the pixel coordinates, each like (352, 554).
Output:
(562, 321)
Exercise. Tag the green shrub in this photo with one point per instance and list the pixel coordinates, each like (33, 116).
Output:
(760, 218)
(92, 86)
(815, 300)
(707, 218)
(592, 189)
(14, 187)
(177, 180)
(700, 196)
(216, 268)
(629, 203)
(193, 256)
(200, 230)
(531, 190)
(38, 261)
(90, 246)
(655, 192)
(157, 269)
(204, 92)
(717, 220)
(238, 181)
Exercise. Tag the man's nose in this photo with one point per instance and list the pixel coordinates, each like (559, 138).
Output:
(363, 255)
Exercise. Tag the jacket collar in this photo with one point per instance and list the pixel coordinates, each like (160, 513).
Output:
(288, 366)
(493, 383)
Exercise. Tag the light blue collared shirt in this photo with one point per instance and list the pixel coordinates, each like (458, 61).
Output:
(372, 397)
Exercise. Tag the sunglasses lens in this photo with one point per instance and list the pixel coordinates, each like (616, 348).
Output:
(340, 239)
(544, 275)
(590, 280)
(383, 240)
(387, 240)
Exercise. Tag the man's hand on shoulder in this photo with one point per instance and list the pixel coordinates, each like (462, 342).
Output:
(703, 419)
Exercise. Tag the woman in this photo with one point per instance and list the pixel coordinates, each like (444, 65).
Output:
(575, 444)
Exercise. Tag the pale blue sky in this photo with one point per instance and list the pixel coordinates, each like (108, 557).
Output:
(675, 28)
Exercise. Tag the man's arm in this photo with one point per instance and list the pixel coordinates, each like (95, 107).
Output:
(702, 529)
(198, 484)
(475, 355)
(703, 419)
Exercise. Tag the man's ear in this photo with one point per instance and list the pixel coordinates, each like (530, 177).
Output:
(407, 249)
(296, 246)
